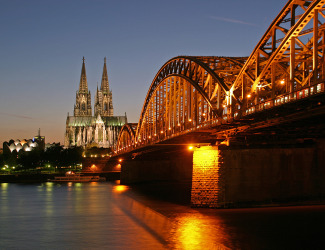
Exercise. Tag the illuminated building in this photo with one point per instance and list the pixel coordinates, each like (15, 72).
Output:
(100, 129)
(24, 144)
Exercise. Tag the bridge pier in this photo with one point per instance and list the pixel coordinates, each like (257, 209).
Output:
(207, 178)
(234, 175)
(162, 165)
(230, 177)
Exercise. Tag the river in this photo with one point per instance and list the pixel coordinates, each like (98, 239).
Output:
(111, 216)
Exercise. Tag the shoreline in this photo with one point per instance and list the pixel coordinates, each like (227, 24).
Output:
(37, 178)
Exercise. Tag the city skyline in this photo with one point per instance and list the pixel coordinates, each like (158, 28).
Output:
(43, 45)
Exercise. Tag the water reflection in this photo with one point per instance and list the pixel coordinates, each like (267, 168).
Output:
(4, 187)
(68, 216)
(95, 216)
(192, 230)
(4, 208)
(49, 206)
(197, 231)
(120, 188)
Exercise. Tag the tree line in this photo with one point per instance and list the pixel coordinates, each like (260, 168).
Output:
(55, 157)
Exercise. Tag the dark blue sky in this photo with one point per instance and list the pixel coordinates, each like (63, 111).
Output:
(43, 42)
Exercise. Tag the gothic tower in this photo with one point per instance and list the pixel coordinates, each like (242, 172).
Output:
(103, 97)
(83, 97)
(102, 129)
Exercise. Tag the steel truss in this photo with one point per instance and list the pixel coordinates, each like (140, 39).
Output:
(126, 137)
(289, 57)
(190, 92)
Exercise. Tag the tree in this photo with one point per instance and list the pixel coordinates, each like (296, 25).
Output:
(72, 156)
(31, 159)
(53, 156)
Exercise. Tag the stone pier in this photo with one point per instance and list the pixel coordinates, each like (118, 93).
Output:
(230, 177)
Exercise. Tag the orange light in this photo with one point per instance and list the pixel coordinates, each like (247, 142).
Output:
(190, 120)
(169, 128)
(282, 81)
(179, 124)
(93, 166)
(161, 132)
(118, 166)
(120, 188)
(203, 114)
(120, 160)
(190, 147)
(149, 137)
(249, 96)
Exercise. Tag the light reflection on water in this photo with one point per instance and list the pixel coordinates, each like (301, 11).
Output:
(194, 231)
(67, 216)
(120, 188)
(106, 216)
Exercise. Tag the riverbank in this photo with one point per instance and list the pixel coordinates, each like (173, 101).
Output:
(37, 177)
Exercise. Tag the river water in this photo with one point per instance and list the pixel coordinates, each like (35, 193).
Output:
(111, 216)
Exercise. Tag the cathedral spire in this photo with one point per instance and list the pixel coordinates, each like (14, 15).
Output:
(97, 96)
(83, 97)
(83, 86)
(104, 85)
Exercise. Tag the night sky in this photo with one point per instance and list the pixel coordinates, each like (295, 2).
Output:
(43, 42)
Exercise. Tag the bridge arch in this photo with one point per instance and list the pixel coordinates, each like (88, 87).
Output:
(126, 137)
(192, 90)
(289, 56)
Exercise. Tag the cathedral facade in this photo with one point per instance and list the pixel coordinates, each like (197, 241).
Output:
(100, 129)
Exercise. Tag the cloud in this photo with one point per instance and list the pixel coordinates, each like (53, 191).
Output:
(17, 116)
(230, 20)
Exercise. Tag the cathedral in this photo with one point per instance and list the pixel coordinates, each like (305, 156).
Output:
(100, 129)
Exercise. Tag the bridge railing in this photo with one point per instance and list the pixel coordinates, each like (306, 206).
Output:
(286, 98)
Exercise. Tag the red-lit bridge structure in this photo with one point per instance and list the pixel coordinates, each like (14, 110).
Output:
(212, 99)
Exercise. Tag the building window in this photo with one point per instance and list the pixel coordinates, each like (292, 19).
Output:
(83, 106)
(105, 106)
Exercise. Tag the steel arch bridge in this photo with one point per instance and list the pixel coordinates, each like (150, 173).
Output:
(190, 93)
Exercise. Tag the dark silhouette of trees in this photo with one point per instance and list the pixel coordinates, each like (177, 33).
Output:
(54, 157)
(29, 159)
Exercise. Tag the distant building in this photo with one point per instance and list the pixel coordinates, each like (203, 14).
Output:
(50, 145)
(100, 129)
(24, 144)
